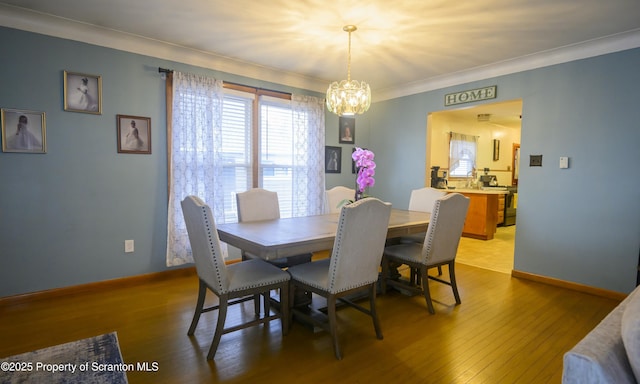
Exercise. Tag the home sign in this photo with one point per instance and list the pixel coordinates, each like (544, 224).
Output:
(471, 95)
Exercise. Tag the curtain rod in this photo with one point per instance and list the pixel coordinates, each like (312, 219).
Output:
(464, 134)
(164, 70)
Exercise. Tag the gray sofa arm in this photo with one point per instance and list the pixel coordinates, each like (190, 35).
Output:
(600, 357)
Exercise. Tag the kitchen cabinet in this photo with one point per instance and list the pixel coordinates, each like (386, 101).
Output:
(501, 202)
(484, 212)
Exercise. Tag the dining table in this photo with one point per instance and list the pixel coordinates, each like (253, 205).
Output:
(277, 238)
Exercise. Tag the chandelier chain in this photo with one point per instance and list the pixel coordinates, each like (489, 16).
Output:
(349, 59)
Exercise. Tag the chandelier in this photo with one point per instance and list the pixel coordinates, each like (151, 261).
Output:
(348, 97)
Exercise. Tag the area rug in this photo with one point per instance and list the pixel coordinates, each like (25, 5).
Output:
(93, 360)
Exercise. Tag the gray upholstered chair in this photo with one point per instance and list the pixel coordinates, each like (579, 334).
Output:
(232, 284)
(352, 268)
(258, 204)
(439, 248)
(422, 200)
(335, 195)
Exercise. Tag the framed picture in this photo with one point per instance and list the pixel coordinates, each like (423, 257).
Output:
(347, 130)
(134, 134)
(353, 162)
(332, 159)
(82, 93)
(23, 131)
(496, 150)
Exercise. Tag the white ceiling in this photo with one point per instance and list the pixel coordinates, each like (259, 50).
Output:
(401, 47)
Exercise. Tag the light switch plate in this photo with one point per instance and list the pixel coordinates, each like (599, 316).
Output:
(564, 162)
(128, 246)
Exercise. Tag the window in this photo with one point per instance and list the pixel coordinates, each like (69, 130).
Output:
(227, 138)
(462, 154)
(274, 162)
(276, 151)
(236, 149)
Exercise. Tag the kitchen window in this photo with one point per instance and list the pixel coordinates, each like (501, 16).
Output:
(462, 154)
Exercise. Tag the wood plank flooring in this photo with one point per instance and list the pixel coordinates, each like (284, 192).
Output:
(507, 330)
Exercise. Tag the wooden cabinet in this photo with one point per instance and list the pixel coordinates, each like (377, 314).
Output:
(484, 213)
(501, 202)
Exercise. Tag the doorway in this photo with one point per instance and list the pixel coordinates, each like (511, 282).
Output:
(497, 127)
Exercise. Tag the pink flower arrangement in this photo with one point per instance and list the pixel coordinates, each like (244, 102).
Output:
(366, 168)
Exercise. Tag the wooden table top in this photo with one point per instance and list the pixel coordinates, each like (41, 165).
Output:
(273, 239)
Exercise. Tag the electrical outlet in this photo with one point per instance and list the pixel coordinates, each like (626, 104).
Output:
(128, 246)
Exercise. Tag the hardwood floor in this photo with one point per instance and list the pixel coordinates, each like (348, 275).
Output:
(506, 330)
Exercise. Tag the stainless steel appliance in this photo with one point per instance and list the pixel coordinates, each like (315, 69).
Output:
(438, 181)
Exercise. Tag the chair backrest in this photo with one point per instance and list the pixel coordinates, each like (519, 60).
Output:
(333, 197)
(423, 199)
(205, 244)
(359, 244)
(445, 228)
(257, 204)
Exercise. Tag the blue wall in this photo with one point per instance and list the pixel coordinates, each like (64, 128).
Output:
(64, 215)
(580, 224)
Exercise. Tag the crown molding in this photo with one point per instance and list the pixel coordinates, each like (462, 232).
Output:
(31, 21)
(27, 20)
(592, 48)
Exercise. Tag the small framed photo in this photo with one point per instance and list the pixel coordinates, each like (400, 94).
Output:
(82, 93)
(347, 130)
(332, 159)
(23, 131)
(353, 162)
(134, 134)
(496, 149)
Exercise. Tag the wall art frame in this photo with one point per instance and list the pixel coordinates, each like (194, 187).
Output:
(134, 134)
(23, 131)
(346, 130)
(332, 159)
(82, 93)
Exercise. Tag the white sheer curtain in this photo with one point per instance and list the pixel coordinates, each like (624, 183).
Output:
(195, 166)
(308, 155)
(196, 156)
(462, 154)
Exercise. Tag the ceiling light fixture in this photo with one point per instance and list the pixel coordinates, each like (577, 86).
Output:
(348, 97)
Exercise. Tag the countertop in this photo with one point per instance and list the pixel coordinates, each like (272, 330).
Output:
(489, 191)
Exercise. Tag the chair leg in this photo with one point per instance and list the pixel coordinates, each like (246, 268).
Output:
(284, 307)
(333, 328)
(418, 277)
(374, 313)
(439, 270)
(256, 298)
(266, 297)
(384, 275)
(425, 289)
(292, 289)
(256, 305)
(454, 284)
(202, 294)
(222, 316)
